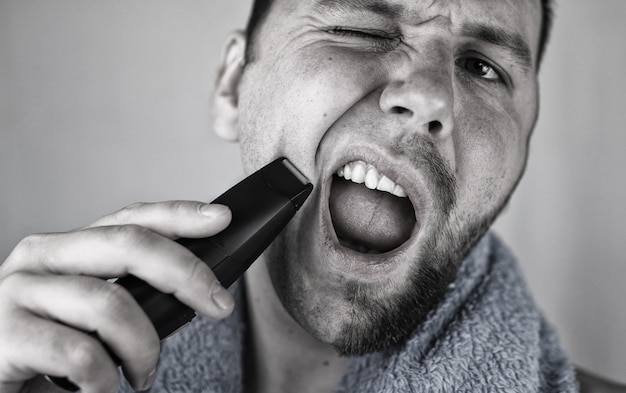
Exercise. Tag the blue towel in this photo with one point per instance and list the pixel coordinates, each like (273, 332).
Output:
(487, 335)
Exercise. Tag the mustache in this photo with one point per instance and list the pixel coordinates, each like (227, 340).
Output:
(423, 153)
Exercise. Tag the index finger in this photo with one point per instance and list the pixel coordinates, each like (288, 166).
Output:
(116, 251)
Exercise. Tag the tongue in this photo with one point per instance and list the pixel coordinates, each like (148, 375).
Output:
(375, 220)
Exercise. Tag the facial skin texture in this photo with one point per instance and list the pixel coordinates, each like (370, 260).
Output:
(427, 92)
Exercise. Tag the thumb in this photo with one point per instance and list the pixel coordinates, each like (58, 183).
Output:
(172, 219)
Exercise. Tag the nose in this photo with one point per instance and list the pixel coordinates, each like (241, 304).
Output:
(424, 99)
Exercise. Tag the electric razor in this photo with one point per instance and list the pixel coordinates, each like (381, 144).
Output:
(262, 204)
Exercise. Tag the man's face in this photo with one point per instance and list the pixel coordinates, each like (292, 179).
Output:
(438, 97)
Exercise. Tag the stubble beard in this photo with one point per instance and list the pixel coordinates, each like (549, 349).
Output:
(381, 324)
(377, 323)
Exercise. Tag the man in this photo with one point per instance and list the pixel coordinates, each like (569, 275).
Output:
(432, 103)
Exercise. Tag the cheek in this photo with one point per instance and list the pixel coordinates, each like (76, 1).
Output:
(490, 150)
(287, 105)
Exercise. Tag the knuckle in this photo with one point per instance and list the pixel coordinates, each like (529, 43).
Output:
(31, 241)
(111, 299)
(115, 304)
(85, 355)
(87, 363)
(14, 282)
(129, 211)
(26, 247)
(132, 209)
(196, 276)
(131, 235)
(196, 269)
(151, 350)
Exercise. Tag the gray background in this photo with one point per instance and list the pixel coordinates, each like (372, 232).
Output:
(104, 103)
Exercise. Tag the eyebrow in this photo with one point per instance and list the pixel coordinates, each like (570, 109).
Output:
(512, 42)
(381, 8)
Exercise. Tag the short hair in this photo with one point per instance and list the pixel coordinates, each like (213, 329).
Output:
(547, 16)
(260, 9)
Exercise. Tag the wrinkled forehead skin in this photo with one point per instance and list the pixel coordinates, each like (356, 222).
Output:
(521, 17)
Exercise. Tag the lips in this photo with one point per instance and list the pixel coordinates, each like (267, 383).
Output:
(370, 212)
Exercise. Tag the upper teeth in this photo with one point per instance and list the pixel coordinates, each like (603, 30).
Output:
(361, 172)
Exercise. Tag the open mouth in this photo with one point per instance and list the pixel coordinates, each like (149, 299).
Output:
(370, 212)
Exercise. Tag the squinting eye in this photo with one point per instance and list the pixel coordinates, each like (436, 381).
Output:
(355, 33)
(479, 67)
(378, 40)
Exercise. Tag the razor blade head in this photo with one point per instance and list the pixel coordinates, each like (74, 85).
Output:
(286, 178)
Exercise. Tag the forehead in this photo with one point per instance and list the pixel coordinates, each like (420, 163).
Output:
(519, 18)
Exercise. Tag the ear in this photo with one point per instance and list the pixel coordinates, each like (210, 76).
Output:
(224, 107)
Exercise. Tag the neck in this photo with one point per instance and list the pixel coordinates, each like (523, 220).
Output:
(282, 356)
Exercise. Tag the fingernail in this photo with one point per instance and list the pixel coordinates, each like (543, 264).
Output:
(212, 210)
(222, 298)
(149, 380)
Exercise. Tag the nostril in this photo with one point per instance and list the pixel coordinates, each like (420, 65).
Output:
(435, 127)
(399, 110)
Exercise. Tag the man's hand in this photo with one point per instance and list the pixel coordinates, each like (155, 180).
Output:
(53, 291)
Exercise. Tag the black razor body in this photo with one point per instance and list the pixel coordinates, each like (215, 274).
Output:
(262, 204)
